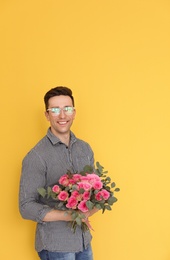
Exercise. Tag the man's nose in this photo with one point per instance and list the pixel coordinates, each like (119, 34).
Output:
(62, 114)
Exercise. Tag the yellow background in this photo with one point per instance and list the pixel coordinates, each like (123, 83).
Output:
(115, 56)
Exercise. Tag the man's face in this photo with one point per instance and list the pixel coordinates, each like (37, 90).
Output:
(60, 123)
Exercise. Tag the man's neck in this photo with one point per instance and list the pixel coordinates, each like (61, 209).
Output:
(64, 138)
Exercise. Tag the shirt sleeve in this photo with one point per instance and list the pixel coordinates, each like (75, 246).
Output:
(33, 176)
(90, 155)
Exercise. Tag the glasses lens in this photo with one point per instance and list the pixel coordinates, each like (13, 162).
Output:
(56, 110)
(68, 110)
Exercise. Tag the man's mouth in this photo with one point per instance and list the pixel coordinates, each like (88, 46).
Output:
(62, 122)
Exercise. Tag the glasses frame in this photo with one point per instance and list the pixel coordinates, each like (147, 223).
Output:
(64, 109)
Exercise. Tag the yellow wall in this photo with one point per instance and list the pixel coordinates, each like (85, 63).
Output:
(115, 56)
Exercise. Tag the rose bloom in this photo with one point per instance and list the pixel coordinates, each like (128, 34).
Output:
(64, 180)
(72, 203)
(63, 195)
(99, 196)
(97, 185)
(82, 206)
(85, 185)
(85, 178)
(105, 194)
(93, 176)
(71, 182)
(56, 189)
(86, 195)
(77, 195)
(76, 177)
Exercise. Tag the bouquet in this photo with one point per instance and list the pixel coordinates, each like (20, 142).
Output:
(81, 192)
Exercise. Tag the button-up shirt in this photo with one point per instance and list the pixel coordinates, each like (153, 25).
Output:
(42, 167)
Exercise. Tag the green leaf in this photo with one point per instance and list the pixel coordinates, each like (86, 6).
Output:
(49, 189)
(102, 205)
(88, 169)
(98, 172)
(117, 189)
(74, 187)
(112, 200)
(82, 173)
(108, 207)
(98, 206)
(113, 184)
(60, 204)
(49, 192)
(81, 191)
(107, 188)
(53, 196)
(74, 215)
(42, 192)
(82, 216)
(89, 204)
(99, 166)
(78, 221)
(108, 179)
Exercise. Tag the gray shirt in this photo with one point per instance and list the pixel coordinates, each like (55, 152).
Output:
(42, 167)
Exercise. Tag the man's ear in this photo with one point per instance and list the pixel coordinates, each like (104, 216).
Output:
(74, 114)
(47, 115)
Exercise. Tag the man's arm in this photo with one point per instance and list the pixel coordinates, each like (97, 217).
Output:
(57, 215)
(33, 177)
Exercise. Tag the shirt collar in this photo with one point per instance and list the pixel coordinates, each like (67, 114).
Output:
(54, 139)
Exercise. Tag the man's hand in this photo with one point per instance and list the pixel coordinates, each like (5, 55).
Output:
(90, 213)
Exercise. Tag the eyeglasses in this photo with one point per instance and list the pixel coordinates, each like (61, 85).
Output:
(57, 110)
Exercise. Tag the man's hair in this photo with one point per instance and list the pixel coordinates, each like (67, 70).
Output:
(57, 91)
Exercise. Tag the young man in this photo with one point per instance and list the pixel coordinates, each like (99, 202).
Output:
(58, 152)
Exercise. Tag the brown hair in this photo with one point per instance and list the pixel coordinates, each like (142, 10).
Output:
(57, 91)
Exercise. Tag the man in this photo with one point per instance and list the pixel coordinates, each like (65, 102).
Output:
(58, 152)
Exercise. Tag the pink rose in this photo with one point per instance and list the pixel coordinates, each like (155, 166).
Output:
(76, 177)
(105, 194)
(85, 185)
(64, 180)
(72, 203)
(86, 195)
(77, 195)
(82, 206)
(99, 196)
(56, 189)
(93, 176)
(71, 182)
(63, 195)
(85, 178)
(97, 185)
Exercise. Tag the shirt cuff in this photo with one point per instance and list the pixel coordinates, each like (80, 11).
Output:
(42, 213)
